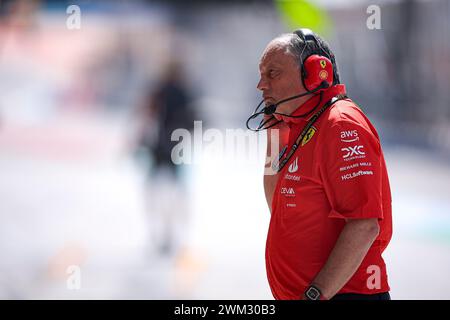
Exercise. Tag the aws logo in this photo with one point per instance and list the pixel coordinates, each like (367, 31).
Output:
(309, 134)
(349, 136)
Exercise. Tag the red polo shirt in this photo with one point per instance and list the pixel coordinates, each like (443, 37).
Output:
(338, 173)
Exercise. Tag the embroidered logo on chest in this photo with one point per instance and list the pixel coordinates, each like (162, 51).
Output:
(293, 167)
(308, 135)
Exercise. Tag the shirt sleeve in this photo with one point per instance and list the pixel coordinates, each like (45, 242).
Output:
(350, 166)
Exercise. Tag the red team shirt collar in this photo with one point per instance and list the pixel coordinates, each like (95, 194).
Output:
(312, 102)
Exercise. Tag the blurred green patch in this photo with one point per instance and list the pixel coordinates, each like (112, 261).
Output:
(304, 14)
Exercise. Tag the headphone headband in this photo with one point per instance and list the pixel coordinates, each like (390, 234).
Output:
(308, 35)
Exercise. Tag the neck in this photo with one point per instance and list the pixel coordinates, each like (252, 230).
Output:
(304, 109)
(290, 106)
(294, 104)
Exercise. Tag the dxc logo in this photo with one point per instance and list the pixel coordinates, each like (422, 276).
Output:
(353, 151)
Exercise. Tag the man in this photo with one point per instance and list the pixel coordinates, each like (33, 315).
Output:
(167, 108)
(329, 198)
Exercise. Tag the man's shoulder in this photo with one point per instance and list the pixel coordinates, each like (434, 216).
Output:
(346, 113)
(346, 116)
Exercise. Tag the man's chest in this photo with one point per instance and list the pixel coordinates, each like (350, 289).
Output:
(300, 177)
(301, 153)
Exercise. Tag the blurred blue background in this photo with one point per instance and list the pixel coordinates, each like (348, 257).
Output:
(81, 115)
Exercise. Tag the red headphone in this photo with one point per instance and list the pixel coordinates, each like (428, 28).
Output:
(317, 70)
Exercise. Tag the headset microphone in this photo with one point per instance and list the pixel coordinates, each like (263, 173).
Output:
(271, 108)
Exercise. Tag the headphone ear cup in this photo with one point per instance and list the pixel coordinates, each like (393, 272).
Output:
(316, 70)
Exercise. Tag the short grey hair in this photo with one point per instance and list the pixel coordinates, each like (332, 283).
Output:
(296, 47)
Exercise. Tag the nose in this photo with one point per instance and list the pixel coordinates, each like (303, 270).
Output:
(262, 85)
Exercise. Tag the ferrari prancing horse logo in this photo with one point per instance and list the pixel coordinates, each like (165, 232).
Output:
(309, 135)
(323, 63)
